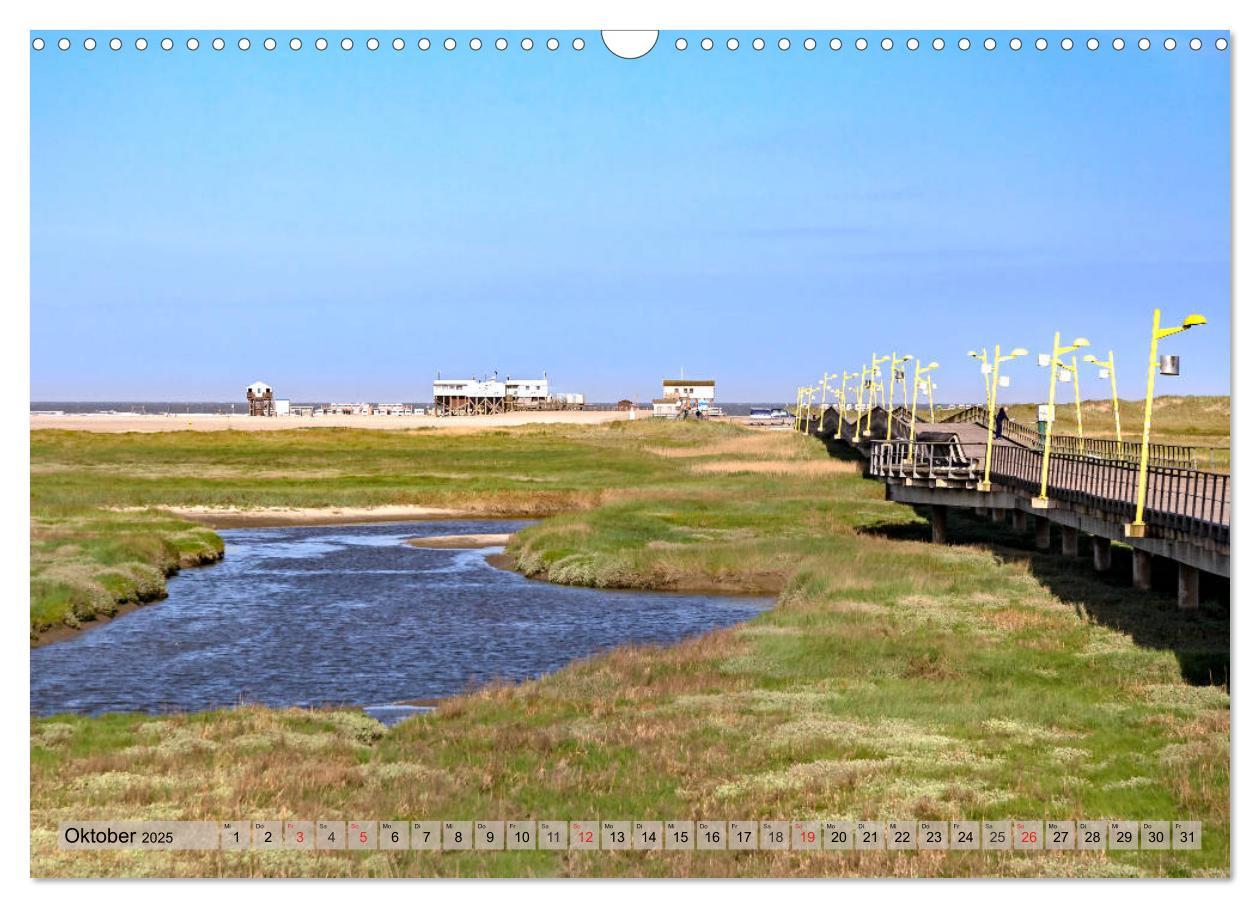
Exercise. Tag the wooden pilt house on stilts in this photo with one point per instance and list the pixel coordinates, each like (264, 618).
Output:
(260, 399)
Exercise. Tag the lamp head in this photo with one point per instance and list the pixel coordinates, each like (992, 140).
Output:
(1019, 351)
(931, 365)
(973, 354)
(1091, 358)
(1193, 320)
(1080, 342)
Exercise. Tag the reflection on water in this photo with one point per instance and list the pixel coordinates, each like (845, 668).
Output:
(350, 615)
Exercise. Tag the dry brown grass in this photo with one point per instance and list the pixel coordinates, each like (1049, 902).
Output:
(778, 467)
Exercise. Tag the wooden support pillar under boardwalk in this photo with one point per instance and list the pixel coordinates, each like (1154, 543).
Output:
(939, 523)
(1043, 533)
(1102, 553)
(1187, 586)
(1019, 520)
(1070, 541)
(1141, 570)
(998, 515)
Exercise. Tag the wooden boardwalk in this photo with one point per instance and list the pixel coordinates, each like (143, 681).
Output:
(1187, 511)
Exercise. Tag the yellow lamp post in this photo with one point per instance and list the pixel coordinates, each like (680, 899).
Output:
(896, 366)
(843, 402)
(874, 373)
(1056, 364)
(800, 399)
(993, 383)
(809, 392)
(1107, 369)
(920, 370)
(861, 402)
(1138, 527)
(822, 402)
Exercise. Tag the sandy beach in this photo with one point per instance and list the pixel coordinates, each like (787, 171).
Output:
(210, 422)
(465, 541)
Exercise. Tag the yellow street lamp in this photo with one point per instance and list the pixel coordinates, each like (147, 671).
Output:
(898, 369)
(822, 403)
(809, 404)
(800, 396)
(1052, 360)
(1138, 527)
(920, 370)
(843, 399)
(998, 359)
(1107, 369)
(875, 361)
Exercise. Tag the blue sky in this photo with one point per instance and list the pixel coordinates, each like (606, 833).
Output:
(343, 225)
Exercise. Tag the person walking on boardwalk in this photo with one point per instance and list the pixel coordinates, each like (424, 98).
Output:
(1000, 419)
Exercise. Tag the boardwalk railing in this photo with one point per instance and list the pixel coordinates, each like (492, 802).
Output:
(1194, 502)
(973, 413)
(1190, 501)
(1180, 456)
(923, 460)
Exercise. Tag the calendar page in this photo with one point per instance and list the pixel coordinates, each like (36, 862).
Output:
(702, 452)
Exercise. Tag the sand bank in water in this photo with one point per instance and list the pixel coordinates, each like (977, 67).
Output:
(468, 541)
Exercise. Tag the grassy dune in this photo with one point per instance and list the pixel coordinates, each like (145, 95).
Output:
(892, 679)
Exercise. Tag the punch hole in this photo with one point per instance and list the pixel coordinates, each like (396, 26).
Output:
(628, 45)
(835, 44)
(321, 44)
(938, 44)
(964, 43)
(63, 44)
(424, 44)
(141, 44)
(38, 44)
(243, 44)
(912, 44)
(527, 44)
(501, 44)
(346, 44)
(860, 44)
(167, 44)
(1016, 44)
(449, 44)
(706, 44)
(1042, 44)
(372, 44)
(886, 44)
(1196, 44)
(579, 43)
(475, 44)
(1170, 44)
(732, 44)
(1118, 44)
(218, 44)
(269, 44)
(296, 44)
(680, 44)
(115, 44)
(192, 44)
(990, 44)
(759, 44)
(1221, 44)
(1144, 44)
(89, 44)
(1092, 44)
(785, 44)
(1066, 44)
(810, 44)
(554, 44)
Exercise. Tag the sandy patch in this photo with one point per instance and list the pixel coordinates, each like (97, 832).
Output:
(227, 518)
(467, 541)
(778, 467)
(209, 422)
